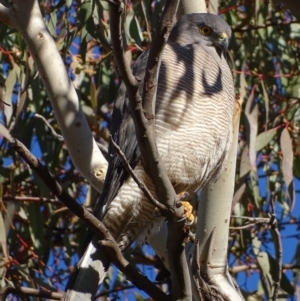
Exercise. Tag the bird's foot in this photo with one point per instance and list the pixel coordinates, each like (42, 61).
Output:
(188, 208)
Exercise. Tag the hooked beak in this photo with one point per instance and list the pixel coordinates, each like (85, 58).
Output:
(222, 42)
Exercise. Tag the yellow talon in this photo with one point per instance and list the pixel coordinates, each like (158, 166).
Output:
(188, 211)
(188, 208)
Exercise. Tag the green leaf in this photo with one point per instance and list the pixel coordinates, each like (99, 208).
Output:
(264, 266)
(245, 165)
(36, 227)
(287, 164)
(2, 230)
(139, 297)
(10, 83)
(255, 188)
(264, 139)
(86, 10)
(93, 95)
(133, 30)
(83, 45)
(251, 113)
(285, 284)
(5, 132)
(51, 24)
(136, 33)
(266, 100)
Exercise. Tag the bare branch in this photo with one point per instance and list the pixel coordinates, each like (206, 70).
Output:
(31, 292)
(38, 200)
(249, 222)
(27, 292)
(251, 27)
(55, 135)
(246, 267)
(253, 219)
(106, 238)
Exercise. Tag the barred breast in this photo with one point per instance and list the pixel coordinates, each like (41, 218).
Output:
(194, 127)
(194, 108)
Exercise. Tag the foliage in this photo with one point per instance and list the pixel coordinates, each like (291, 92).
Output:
(42, 241)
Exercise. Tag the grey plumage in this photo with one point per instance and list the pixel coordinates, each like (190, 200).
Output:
(194, 108)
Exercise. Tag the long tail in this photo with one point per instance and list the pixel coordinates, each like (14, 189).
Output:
(90, 273)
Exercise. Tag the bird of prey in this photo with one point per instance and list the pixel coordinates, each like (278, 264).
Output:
(193, 123)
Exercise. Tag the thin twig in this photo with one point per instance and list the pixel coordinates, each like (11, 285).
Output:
(257, 27)
(119, 289)
(27, 292)
(97, 226)
(55, 135)
(243, 227)
(253, 219)
(39, 200)
(246, 267)
(249, 222)
(141, 185)
(31, 292)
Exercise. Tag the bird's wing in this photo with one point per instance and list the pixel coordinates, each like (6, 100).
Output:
(123, 133)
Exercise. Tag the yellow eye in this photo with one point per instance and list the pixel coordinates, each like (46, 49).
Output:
(204, 30)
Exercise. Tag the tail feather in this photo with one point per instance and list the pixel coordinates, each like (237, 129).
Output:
(90, 273)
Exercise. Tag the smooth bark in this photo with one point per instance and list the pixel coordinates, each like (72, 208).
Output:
(26, 17)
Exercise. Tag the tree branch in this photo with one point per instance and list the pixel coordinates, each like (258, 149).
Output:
(92, 222)
(39, 200)
(27, 292)
(249, 222)
(55, 135)
(246, 267)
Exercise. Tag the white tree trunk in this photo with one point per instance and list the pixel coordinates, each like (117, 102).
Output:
(214, 211)
(26, 17)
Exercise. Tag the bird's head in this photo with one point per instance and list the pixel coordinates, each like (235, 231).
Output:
(204, 29)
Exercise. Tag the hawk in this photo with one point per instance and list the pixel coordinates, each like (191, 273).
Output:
(193, 123)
